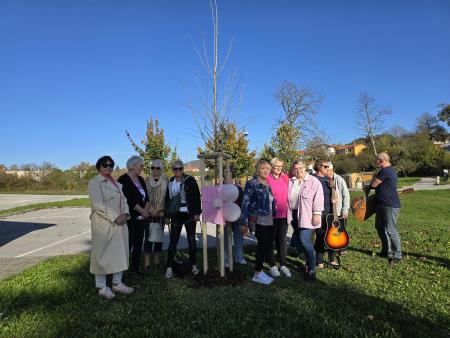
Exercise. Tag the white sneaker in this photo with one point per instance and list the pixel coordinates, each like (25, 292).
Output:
(260, 279)
(169, 273)
(195, 270)
(243, 261)
(106, 293)
(122, 288)
(265, 276)
(286, 271)
(274, 271)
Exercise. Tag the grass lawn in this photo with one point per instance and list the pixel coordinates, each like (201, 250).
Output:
(77, 202)
(407, 181)
(364, 298)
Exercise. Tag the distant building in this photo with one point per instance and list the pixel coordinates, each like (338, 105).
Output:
(354, 149)
(36, 175)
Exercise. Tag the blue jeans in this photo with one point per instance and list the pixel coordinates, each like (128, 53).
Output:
(308, 246)
(295, 238)
(386, 225)
(238, 243)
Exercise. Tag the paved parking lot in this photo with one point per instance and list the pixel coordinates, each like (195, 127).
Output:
(27, 238)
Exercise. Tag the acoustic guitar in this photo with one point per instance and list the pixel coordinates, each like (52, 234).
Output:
(364, 207)
(336, 237)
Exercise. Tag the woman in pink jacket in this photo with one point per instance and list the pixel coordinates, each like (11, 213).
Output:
(306, 195)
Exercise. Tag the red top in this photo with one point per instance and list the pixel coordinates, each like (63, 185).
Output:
(280, 187)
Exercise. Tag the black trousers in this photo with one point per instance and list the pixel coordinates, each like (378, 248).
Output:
(265, 235)
(320, 242)
(136, 236)
(176, 226)
(280, 229)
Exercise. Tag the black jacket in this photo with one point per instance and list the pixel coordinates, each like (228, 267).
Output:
(192, 194)
(132, 193)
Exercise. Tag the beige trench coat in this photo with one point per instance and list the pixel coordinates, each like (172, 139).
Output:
(109, 253)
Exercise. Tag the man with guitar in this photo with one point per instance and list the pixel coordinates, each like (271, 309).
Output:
(387, 208)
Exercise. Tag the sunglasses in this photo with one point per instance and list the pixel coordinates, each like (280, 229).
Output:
(155, 168)
(177, 168)
(108, 165)
(326, 166)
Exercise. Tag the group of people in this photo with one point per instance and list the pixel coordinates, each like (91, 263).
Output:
(128, 216)
(273, 200)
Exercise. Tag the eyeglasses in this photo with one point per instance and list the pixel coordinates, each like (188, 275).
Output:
(155, 168)
(278, 166)
(107, 165)
(177, 168)
(326, 166)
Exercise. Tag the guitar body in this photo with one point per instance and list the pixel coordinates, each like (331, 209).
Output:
(336, 237)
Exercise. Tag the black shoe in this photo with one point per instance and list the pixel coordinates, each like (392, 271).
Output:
(310, 277)
(395, 261)
(382, 255)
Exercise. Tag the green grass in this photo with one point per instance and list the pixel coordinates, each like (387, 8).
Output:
(77, 202)
(365, 298)
(407, 181)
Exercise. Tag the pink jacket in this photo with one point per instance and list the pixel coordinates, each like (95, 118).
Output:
(280, 194)
(310, 203)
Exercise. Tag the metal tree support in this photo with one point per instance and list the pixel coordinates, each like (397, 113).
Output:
(220, 156)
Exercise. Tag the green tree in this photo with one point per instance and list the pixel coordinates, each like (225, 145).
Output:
(286, 142)
(429, 125)
(444, 114)
(154, 144)
(406, 166)
(234, 143)
(267, 152)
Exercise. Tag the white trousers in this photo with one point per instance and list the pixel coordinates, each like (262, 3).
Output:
(100, 280)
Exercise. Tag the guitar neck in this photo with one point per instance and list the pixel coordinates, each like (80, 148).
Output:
(334, 198)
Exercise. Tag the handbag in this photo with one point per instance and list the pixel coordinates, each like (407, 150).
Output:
(155, 232)
(172, 206)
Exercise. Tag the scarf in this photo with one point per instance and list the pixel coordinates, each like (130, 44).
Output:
(157, 192)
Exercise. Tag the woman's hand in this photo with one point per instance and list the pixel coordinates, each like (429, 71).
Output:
(121, 219)
(316, 220)
(244, 230)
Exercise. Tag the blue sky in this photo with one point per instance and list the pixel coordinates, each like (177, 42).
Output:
(75, 74)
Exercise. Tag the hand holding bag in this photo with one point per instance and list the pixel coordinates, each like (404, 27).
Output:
(156, 232)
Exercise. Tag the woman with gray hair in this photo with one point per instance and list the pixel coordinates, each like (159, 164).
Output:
(135, 191)
(154, 231)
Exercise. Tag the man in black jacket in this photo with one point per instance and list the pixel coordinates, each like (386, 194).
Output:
(188, 214)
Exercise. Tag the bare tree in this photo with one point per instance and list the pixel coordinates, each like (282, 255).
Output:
(300, 103)
(370, 117)
(297, 127)
(214, 112)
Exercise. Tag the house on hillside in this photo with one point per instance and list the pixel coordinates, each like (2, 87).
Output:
(36, 175)
(354, 149)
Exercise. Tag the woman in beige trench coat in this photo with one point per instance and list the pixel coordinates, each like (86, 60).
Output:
(109, 214)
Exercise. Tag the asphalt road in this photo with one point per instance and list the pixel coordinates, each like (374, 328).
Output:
(8, 201)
